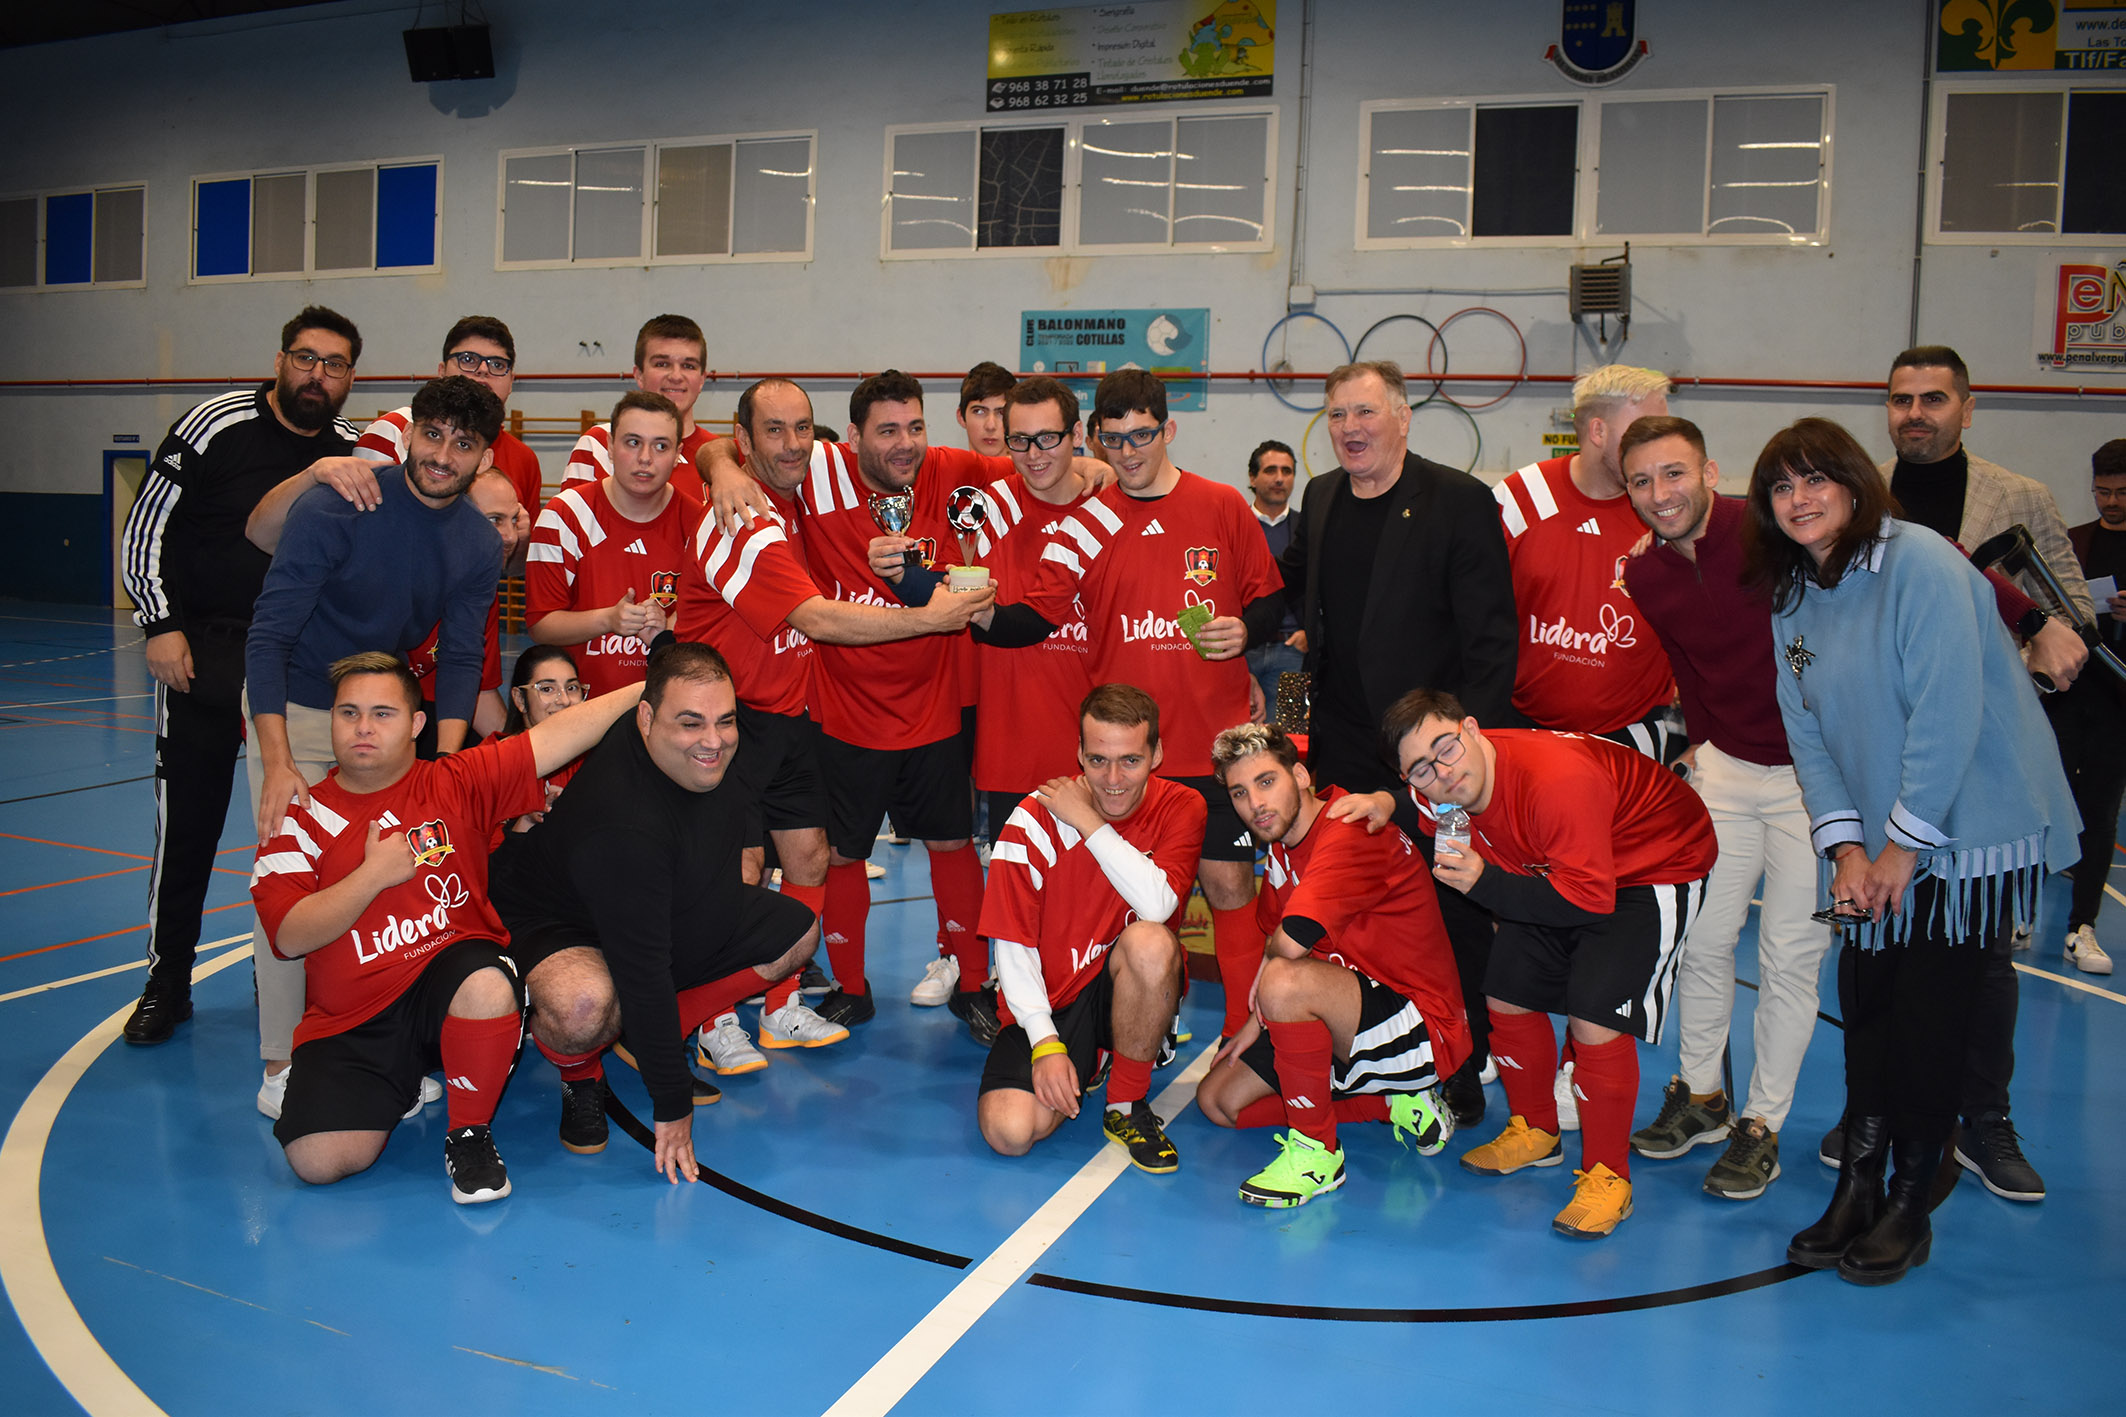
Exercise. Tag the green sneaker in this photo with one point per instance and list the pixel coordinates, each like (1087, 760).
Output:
(1138, 1132)
(1304, 1169)
(1681, 1125)
(1423, 1117)
(1750, 1163)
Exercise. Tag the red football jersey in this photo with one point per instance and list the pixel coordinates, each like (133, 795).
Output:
(1048, 892)
(592, 459)
(584, 555)
(423, 660)
(907, 693)
(744, 588)
(1374, 896)
(1588, 815)
(385, 441)
(1027, 731)
(1588, 663)
(1133, 574)
(448, 810)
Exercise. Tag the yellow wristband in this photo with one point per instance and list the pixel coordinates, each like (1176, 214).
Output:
(1049, 1049)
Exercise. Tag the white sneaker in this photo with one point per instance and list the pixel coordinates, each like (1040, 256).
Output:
(1490, 1072)
(795, 1026)
(430, 1091)
(273, 1092)
(2085, 953)
(726, 1046)
(2021, 941)
(941, 979)
(873, 871)
(1568, 1104)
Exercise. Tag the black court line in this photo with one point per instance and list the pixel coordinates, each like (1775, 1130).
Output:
(92, 787)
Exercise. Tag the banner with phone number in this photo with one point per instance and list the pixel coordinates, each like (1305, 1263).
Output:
(1155, 51)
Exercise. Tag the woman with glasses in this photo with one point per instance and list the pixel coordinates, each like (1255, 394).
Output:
(542, 683)
(1935, 792)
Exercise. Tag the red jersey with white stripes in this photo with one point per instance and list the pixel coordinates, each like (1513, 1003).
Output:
(384, 441)
(584, 555)
(423, 660)
(1134, 564)
(592, 459)
(1374, 897)
(743, 590)
(448, 811)
(908, 693)
(1047, 891)
(1027, 731)
(1587, 662)
(1588, 815)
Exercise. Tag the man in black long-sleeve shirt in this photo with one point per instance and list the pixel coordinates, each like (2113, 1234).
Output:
(636, 875)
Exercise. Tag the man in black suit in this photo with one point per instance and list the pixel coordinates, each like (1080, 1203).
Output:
(1403, 583)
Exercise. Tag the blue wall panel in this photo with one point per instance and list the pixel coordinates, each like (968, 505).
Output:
(406, 216)
(69, 235)
(55, 547)
(222, 245)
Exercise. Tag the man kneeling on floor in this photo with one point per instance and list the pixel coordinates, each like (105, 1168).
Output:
(379, 885)
(1084, 876)
(628, 909)
(1357, 1013)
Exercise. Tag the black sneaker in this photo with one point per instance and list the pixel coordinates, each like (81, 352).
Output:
(1990, 1148)
(847, 1010)
(583, 1128)
(1464, 1094)
(977, 1008)
(156, 1016)
(1138, 1132)
(706, 1093)
(814, 983)
(1831, 1150)
(474, 1166)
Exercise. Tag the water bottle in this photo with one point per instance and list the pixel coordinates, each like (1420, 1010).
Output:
(1451, 825)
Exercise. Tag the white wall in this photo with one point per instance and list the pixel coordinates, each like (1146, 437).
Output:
(329, 83)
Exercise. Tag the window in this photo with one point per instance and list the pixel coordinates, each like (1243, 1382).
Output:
(1671, 168)
(1143, 183)
(367, 219)
(2026, 165)
(675, 201)
(57, 240)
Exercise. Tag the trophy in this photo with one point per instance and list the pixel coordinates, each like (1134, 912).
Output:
(894, 511)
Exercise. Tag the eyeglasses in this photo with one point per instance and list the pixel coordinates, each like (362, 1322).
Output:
(1020, 442)
(1140, 438)
(307, 360)
(1446, 752)
(471, 363)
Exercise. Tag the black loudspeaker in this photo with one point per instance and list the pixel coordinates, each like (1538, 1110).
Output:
(449, 52)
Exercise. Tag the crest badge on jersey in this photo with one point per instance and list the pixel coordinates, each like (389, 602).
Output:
(927, 548)
(1598, 41)
(429, 842)
(1200, 564)
(967, 509)
(664, 588)
(1616, 578)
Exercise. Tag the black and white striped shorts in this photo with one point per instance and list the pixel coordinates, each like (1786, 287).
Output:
(1618, 970)
(1390, 1052)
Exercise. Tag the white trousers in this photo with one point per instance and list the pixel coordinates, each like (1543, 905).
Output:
(1764, 835)
(280, 981)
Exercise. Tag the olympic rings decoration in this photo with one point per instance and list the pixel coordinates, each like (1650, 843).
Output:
(1439, 338)
(1286, 365)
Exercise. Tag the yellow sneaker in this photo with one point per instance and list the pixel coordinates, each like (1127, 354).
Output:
(1600, 1198)
(1518, 1146)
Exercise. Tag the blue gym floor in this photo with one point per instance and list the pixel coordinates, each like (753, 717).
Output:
(857, 1248)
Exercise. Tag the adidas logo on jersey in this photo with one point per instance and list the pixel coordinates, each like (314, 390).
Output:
(636, 548)
(1589, 527)
(1244, 839)
(388, 822)
(1152, 528)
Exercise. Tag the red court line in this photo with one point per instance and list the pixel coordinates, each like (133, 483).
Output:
(112, 934)
(128, 855)
(104, 875)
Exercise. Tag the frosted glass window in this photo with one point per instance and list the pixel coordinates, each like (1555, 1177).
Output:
(694, 200)
(1019, 200)
(1652, 174)
(608, 204)
(2000, 168)
(535, 197)
(120, 214)
(346, 220)
(1767, 170)
(1221, 177)
(277, 219)
(18, 242)
(773, 209)
(1417, 180)
(1125, 184)
(931, 201)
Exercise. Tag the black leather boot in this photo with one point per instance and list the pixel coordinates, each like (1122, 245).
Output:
(1856, 1201)
(1903, 1236)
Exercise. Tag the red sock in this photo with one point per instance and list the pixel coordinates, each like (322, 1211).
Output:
(848, 905)
(477, 1056)
(1128, 1081)
(1305, 1054)
(713, 1000)
(1366, 1107)
(575, 1067)
(814, 899)
(1526, 1047)
(1238, 941)
(956, 882)
(1607, 1076)
(1262, 1112)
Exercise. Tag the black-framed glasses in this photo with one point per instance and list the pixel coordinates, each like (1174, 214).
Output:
(1138, 438)
(307, 360)
(1447, 750)
(470, 363)
(1020, 442)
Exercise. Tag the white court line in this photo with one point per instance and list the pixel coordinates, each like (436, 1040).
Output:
(114, 969)
(2037, 973)
(904, 1365)
(41, 1304)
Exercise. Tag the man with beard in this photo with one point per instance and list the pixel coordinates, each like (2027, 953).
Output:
(193, 579)
(344, 581)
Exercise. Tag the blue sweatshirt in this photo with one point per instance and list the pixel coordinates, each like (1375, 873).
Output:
(345, 580)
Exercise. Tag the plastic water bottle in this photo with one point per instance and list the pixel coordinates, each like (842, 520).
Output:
(1452, 826)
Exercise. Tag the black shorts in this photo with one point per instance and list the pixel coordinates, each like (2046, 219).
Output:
(760, 930)
(364, 1079)
(926, 789)
(1617, 971)
(1225, 836)
(1001, 806)
(778, 765)
(1659, 735)
(1390, 1052)
(1085, 1026)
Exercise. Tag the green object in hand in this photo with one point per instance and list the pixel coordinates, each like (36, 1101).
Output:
(1192, 619)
